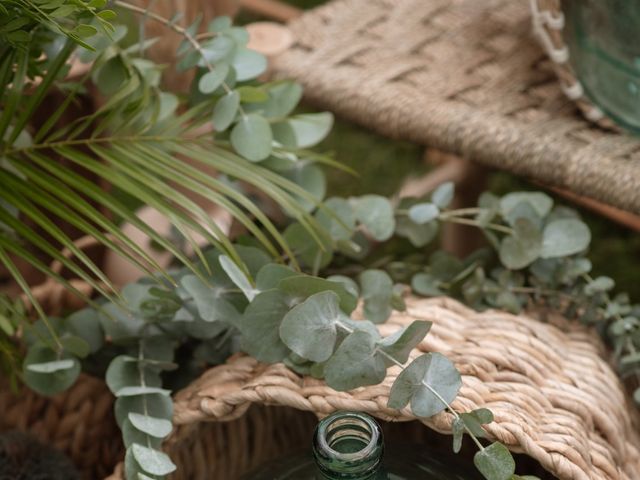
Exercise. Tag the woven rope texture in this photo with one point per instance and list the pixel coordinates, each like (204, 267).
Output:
(553, 395)
(465, 76)
(78, 422)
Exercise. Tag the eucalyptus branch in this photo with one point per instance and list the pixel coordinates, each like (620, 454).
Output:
(393, 360)
(181, 31)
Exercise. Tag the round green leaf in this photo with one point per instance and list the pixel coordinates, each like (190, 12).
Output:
(251, 137)
(423, 213)
(75, 346)
(270, 275)
(47, 373)
(152, 461)
(303, 131)
(283, 98)
(302, 287)
(260, 327)
(248, 64)
(355, 363)
(443, 195)
(309, 329)
(564, 237)
(429, 373)
(211, 80)
(131, 435)
(156, 405)
(541, 202)
(376, 214)
(111, 76)
(156, 427)
(377, 293)
(400, 344)
(426, 284)
(312, 179)
(225, 111)
(523, 247)
(338, 218)
(495, 462)
(237, 276)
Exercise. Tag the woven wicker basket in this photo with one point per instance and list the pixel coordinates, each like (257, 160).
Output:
(553, 395)
(548, 24)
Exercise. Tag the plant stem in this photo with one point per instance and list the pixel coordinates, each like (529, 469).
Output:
(348, 329)
(181, 31)
(474, 223)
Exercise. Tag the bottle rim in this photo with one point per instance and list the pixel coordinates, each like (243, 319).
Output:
(346, 464)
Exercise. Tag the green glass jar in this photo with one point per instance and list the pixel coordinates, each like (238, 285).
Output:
(349, 446)
(603, 37)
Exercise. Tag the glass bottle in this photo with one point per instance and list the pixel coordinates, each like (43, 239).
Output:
(603, 37)
(349, 446)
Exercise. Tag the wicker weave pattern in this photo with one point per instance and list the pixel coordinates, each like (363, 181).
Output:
(465, 76)
(78, 422)
(553, 396)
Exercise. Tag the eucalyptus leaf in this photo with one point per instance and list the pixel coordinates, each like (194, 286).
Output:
(251, 137)
(376, 214)
(283, 99)
(152, 461)
(157, 405)
(310, 329)
(260, 327)
(238, 277)
(302, 287)
(355, 363)
(399, 344)
(338, 218)
(211, 80)
(304, 130)
(51, 367)
(248, 64)
(377, 294)
(315, 253)
(564, 237)
(443, 195)
(422, 213)
(312, 179)
(124, 371)
(541, 202)
(156, 427)
(225, 111)
(523, 247)
(495, 462)
(426, 284)
(47, 372)
(131, 435)
(269, 276)
(427, 382)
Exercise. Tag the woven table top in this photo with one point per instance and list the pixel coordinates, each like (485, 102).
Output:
(465, 76)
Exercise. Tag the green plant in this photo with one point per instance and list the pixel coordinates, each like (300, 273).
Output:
(276, 313)
(237, 297)
(149, 144)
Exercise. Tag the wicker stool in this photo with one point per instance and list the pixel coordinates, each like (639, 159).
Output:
(553, 395)
(464, 76)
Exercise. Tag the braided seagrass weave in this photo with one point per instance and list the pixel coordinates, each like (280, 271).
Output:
(465, 76)
(553, 396)
(78, 422)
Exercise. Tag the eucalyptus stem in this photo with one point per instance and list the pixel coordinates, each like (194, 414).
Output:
(181, 31)
(474, 223)
(348, 329)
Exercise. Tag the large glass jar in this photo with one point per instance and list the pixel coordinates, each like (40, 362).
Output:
(349, 445)
(603, 37)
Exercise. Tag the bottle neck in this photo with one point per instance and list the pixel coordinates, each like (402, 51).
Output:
(348, 445)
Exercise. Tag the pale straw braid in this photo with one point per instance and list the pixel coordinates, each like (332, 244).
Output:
(465, 76)
(553, 395)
